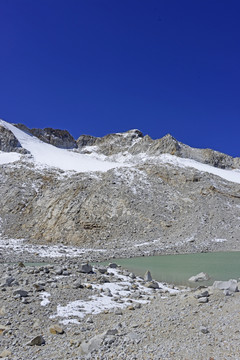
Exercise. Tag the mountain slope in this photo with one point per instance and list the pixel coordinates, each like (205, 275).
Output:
(134, 200)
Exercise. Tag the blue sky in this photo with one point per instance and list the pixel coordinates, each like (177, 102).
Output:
(101, 66)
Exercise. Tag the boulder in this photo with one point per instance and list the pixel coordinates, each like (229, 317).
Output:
(56, 329)
(93, 344)
(77, 284)
(199, 277)
(113, 266)
(230, 285)
(147, 276)
(203, 300)
(152, 285)
(86, 268)
(37, 340)
(20, 292)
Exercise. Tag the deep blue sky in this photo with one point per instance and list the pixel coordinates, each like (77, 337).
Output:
(101, 66)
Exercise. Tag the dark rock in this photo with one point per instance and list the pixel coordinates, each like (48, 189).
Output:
(9, 142)
(37, 340)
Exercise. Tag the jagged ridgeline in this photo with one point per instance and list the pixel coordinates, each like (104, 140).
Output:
(118, 189)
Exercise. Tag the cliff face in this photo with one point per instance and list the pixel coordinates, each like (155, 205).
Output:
(149, 197)
(59, 138)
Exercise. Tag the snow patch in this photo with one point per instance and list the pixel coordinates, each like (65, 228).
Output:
(45, 295)
(48, 155)
(229, 175)
(101, 301)
(7, 158)
(54, 251)
(219, 240)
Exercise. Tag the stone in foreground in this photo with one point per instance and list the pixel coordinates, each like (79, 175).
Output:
(148, 276)
(56, 329)
(230, 285)
(86, 268)
(37, 340)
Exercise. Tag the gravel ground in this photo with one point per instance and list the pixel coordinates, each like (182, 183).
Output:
(137, 319)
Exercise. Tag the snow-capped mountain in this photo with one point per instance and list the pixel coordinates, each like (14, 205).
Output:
(125, 189)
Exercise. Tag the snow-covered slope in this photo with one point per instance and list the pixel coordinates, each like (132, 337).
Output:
(230, 175)
(49, 155)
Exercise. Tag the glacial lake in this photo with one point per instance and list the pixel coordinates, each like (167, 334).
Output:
(177, 269)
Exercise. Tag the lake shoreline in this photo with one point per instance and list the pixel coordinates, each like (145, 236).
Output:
(157, 321)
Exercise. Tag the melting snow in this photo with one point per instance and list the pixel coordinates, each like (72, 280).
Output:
(97, 304)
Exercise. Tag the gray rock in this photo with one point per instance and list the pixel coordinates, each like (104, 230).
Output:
(102, 270)
(93, 344)
(37, 340)
(203, 300)
(38, 287)
(77, 284)
(152, 285)
(147, 276)
(230, 285)
(86, 268)
(203, 294)
(113, 266)
(20, 292)
(227, 293)
(118, 312)
(204, 329)
(111, 332)
(9, 281)
(58, 271)
(199, 277)
(8, 141)
(59, 138)
(107, 291)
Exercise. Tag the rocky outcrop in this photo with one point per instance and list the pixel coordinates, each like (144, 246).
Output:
(122, 206)
(59, 138)
(111, 144)
(86, 140)
(133, 142)
(9, 143)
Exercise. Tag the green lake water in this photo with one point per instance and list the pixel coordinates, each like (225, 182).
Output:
(177, 269)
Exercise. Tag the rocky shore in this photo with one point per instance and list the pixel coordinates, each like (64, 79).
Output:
(65, 308)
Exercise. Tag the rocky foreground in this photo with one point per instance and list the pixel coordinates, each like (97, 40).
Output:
(67, 309)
